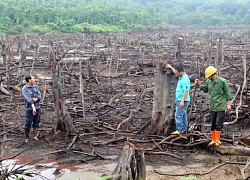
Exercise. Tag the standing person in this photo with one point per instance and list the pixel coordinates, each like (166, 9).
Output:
(182, 99)
(219, 100)
(32, 97)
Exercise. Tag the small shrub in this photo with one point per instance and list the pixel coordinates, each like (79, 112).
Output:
(190, 178)
(108, 176)
(160, 50)
(197, 42)
(144, 43)
(247, 32)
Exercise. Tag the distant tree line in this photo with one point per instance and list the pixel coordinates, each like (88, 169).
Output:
(78, 16)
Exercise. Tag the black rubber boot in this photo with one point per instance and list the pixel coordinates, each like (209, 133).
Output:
(27, 133)
(35, 132)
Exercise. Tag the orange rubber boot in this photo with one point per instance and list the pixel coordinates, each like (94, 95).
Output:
(213, 138)
(217, 138)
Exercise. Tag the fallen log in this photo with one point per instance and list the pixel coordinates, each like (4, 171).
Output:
(233, 150)
(131, 165)
(3, 90)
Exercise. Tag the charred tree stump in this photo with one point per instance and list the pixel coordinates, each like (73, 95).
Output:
(7, 60)
(62, 122)
(131, 165)
(179, 46)
(218, 56)
(24, 47)
(163, 100)
(36, 47)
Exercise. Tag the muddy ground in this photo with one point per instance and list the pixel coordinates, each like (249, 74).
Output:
(119, 87)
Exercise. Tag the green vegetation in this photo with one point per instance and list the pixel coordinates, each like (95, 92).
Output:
(144, 43)
(79, 16)
(190, 178)
(247, 32)
(197, 42)
(108, 176)
(160, 50)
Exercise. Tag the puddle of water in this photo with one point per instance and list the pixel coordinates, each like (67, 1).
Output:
(89, 172)
(47, 171)
(94, 171)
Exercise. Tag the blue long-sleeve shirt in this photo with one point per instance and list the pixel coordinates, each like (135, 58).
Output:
(30, 92)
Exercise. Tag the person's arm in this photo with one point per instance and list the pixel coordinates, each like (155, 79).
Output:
(29, 99)
(197, 82)
(228, 105)
(37, 99)
(170, 67)
(183, 98)
(203, 87)
(228, 95)
(27, 96)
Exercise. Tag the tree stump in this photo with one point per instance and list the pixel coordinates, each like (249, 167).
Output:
(62, 122)
(163, 100)
(131, 165)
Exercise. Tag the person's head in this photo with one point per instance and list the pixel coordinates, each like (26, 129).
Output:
(210, 73)
(179, 71)
(30, 79)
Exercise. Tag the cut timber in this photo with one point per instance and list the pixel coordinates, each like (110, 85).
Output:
(234, 150)
(3, 90)
(131, 165)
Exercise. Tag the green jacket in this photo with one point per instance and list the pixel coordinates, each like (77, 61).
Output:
(219, 93)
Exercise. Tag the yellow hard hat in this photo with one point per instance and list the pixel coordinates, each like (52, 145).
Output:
(210, 71)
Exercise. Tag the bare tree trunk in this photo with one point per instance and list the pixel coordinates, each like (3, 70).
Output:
(82, 92)
(35, 57)
(7, 46)
(62, 122)
(23, 57)
(164, 100)
(217, 57)
(131, 165)
(236, 150)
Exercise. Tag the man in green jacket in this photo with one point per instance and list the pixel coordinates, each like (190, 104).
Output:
(219, 100)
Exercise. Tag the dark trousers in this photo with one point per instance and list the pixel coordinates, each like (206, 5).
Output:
(32, 120)
(217, 120)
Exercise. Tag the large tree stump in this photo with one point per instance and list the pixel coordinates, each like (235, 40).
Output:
(62, 122)
(131, 165)
(164, 99)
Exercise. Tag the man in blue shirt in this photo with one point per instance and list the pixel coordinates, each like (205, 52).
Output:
(182, 99)
(31, 96)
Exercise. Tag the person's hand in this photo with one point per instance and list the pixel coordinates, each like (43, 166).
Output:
(228, 107)
(181, 104)
(168, 66)
(34, 111)
(34, 99)
(197, 81)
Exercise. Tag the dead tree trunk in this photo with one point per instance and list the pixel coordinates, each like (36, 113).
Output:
(7, 60)
(218, 56)
(179, 47)
(131, 165)
(62, 122)
(164, 100)
(23, 56)
(36, 51)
